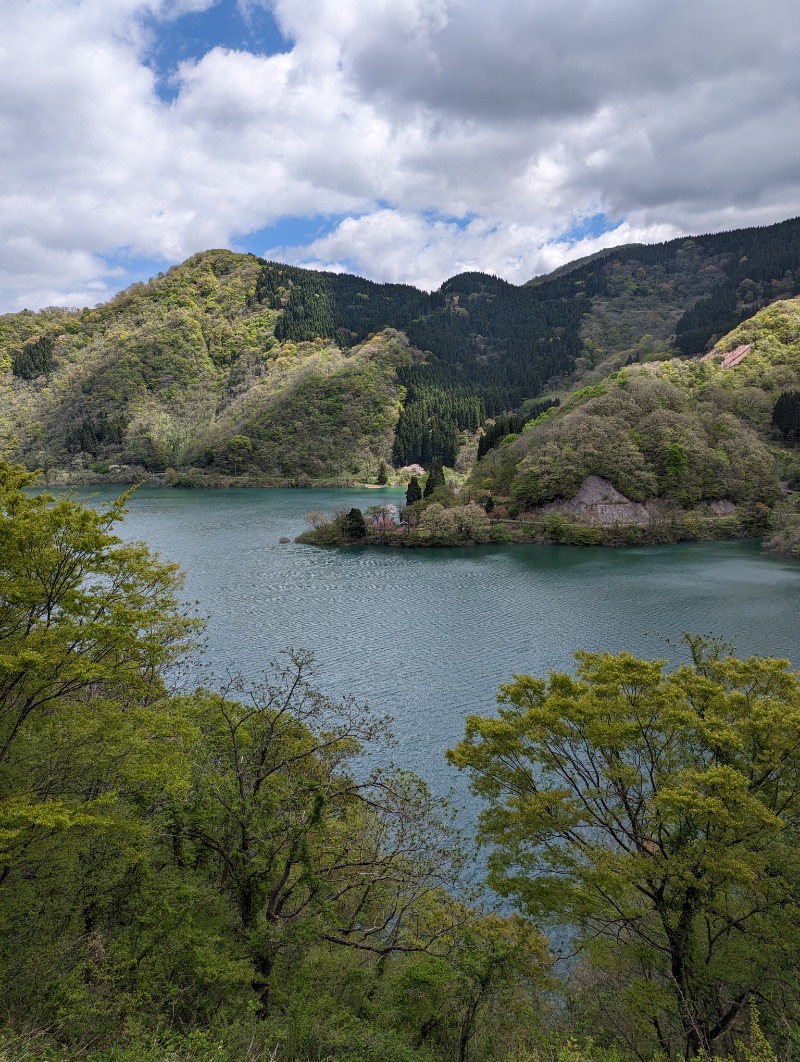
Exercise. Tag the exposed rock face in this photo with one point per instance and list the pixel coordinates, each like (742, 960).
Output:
(722, 508)
(599, 502)
(732, 358)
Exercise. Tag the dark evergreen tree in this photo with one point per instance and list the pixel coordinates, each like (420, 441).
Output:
(383, 476)
(413, 491)
(34, 359)
(435, 477)
(786, 414)
(511, 425)
(354, 524)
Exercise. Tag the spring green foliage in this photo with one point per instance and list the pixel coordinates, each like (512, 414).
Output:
(202, 873)
(212, 874)
(168, 372)
(176, 372)
(689, 431)
(657, 814)
(81, 614)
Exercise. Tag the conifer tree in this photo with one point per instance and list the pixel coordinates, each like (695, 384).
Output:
(435, 477)
(786, 414)
(354, 524)
(413, 491)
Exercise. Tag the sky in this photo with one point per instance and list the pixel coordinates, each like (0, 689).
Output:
(403, 140)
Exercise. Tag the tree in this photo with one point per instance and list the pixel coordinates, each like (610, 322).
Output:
(657, 815)
(381, 518)
(355, 525)
(435, 477)
(383, 476)
(34, 359)
(413, 491)
(89, 627)
(786, 414)
(81, 612)
(240, 447)
(308, 853)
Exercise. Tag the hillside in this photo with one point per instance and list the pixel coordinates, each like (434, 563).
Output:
(186, 371)
(686, 431)
(228, 365)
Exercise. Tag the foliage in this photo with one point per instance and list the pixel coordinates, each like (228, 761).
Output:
(212, 873)
(81, 614)
(413, 491)
(34, 359)
(689, 431)
(786, 414)
(354, 524)
(435, 478)
(326, 373)
(657, 814)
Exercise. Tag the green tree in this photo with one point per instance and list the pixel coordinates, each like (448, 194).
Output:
(34, 359)
(84, 617)
(383, 476)
(240, 447)
(435, 477)
(413, 491)
(89, 627)
(676, 464)
(657, 815)
(355, 525)
(308, 853)
(786, 414)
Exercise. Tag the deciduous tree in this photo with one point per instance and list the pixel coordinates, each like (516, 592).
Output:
(656, 814)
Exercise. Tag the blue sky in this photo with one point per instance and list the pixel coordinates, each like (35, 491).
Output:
(193, 34)
(404, 140)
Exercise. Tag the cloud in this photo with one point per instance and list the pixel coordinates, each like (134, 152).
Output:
(437, 135)
(392, 246)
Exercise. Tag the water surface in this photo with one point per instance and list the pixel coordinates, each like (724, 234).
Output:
(428, 635)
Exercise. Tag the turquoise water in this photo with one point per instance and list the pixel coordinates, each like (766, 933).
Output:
(428, 635)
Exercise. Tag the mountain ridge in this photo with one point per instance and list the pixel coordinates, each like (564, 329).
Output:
(225, 346)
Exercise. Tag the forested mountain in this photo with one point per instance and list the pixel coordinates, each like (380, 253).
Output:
(241, 366)
(686, 430)
(187, 371)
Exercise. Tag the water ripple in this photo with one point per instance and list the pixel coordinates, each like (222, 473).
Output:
(429, 635)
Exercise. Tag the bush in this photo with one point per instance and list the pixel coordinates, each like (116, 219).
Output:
(579, 535)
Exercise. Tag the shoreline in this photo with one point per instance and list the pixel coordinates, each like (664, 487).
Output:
(531, 529)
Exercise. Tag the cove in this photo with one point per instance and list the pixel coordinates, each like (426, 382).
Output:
(427, 635)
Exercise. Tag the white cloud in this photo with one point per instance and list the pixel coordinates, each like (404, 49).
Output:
(387, 245)
(522, 117)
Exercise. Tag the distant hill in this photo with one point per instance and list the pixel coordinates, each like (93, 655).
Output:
(186, 371)
(685, 430)
(239, 366)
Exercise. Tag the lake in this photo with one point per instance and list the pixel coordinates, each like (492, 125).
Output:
(428, 635)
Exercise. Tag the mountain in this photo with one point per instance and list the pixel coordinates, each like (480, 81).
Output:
(234, 365)
(724, 426)
(187, 371)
